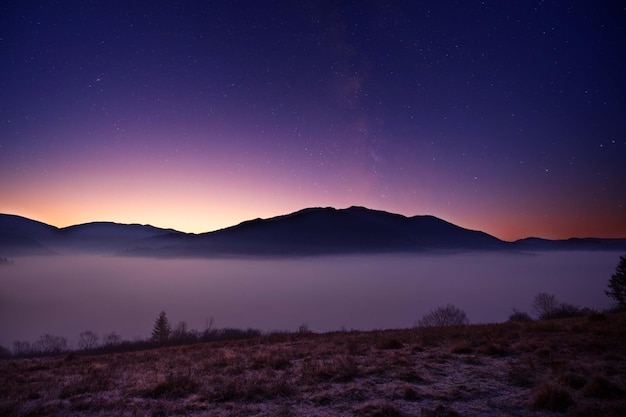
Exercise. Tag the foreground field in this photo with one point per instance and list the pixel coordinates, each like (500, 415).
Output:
(570, 367)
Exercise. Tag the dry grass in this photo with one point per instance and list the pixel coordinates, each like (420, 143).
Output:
(571, 367)
(551, 398)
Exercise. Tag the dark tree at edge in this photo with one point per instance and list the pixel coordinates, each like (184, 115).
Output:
(617, 283)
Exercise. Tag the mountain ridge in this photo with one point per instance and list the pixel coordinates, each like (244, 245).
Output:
(309, 231)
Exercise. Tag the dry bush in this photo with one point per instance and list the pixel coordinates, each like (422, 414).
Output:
(519, 316)
(49, 344)
(551, 398)
(545, 304)
(444, 316)
(600, 387)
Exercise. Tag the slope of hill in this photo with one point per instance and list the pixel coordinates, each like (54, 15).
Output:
(22, 236)
(572, 367)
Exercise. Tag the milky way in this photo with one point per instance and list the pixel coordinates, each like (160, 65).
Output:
(506, 117)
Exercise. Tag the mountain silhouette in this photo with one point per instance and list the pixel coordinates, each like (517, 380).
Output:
(22, 236)
(311, 231)
(351, 230)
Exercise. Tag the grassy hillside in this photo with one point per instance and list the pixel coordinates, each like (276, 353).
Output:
(572, 367)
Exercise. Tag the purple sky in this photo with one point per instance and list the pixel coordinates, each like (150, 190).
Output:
(508, 117)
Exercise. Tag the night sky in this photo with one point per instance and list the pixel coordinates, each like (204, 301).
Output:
(507, 117)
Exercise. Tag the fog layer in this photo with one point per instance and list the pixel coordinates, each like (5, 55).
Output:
(67, 295)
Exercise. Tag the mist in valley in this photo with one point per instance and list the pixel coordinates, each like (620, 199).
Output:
(65, 295)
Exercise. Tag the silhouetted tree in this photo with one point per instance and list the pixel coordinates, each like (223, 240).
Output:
(304, 329)
(545, 305)
(50, 344)
(181, 331)
(161, 329)
(617, 283)
(88, 340)
(22, 348)
(519, 316)
(111, 339)
(444, 316)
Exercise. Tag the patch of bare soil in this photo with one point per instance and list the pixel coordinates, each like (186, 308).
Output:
(571, 367)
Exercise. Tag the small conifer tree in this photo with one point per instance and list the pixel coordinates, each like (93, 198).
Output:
(161, 329)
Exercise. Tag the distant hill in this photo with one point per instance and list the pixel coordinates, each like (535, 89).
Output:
(311, 231)
(586, 244)
(352, 230)
(20, 236)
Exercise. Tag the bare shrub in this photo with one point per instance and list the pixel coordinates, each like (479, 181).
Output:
(181, 331)
(565, 310)
(88, 340)
(111, 339)
(304, 329)
(548, 307)
(49, 344)
(519, 316)
(551, 398)
(444, 316)
(22, 348)
(545, 304)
